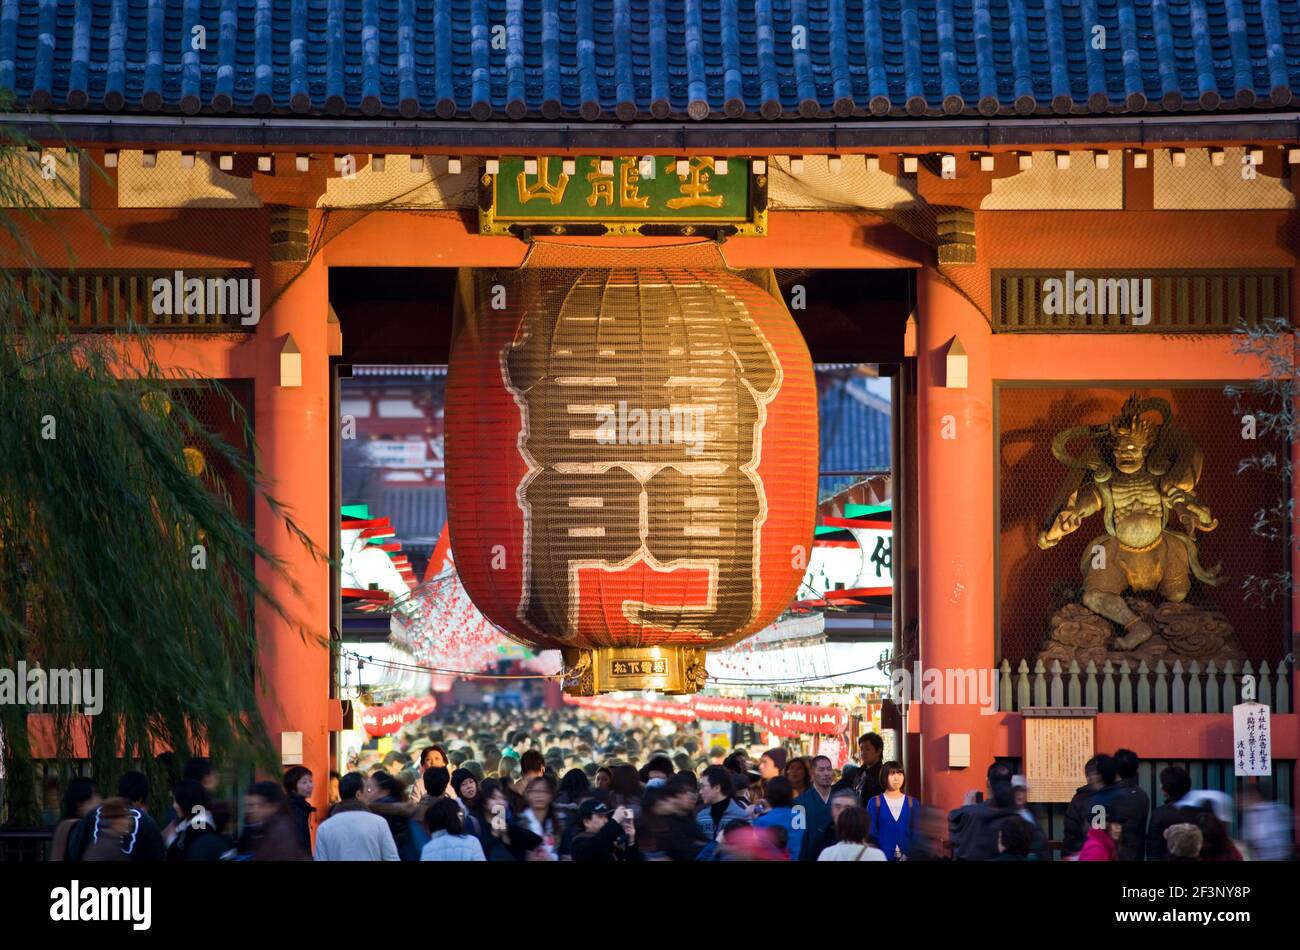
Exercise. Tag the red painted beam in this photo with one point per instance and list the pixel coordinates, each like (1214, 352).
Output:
(1158, 735)
(42, 738)
(858, 523)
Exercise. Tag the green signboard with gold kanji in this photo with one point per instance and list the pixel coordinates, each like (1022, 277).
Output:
(652, 195)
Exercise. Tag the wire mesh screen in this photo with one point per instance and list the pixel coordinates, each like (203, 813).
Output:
(1247, 603)
(223, 415)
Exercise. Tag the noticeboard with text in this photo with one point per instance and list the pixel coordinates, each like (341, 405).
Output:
(647, 195)
(1058, 741)
(1252, 741)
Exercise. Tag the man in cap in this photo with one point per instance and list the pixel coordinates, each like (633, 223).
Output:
(606, 836)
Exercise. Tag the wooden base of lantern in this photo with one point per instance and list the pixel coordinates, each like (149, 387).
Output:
(588, 672)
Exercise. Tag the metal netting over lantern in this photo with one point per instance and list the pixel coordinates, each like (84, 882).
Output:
(631, 465)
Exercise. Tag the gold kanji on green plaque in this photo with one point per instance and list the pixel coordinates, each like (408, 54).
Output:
(623, 195)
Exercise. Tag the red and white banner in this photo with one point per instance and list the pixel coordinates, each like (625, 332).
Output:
(385, 720)
(783, 721)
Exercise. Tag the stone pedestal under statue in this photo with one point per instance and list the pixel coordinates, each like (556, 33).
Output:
(1180, 631)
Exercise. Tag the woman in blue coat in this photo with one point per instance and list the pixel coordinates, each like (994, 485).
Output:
(893, 813)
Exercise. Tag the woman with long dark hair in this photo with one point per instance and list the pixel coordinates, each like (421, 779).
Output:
(478, 810)
(79, 799)
(799, 773)
(506, 837)
(573, 788)
(853, 834)
(298, 785)
(893, 813)
(542, 819)
(1216, 843)
(448, 840)
(196, 837)
(625, 788)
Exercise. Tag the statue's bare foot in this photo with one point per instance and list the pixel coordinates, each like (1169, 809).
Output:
(1138, 634)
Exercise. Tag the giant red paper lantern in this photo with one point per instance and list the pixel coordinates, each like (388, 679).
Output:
(631, 466)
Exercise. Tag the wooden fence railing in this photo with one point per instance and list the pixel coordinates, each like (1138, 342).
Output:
(1127, 688)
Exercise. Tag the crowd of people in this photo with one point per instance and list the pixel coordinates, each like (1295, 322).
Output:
(478, 785)
(1110, 818)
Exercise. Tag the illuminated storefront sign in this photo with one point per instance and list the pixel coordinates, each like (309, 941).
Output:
(864, 564)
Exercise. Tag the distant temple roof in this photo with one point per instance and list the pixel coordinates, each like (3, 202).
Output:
(647, 60)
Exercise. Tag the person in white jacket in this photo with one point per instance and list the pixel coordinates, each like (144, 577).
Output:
(852, 828)
(352, 832)
(447, 838)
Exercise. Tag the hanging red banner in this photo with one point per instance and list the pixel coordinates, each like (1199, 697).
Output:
(386, 720)
(782, 721)
(817, 720)
(381, 720)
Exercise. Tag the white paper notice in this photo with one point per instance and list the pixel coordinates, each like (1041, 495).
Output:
(1252, 739)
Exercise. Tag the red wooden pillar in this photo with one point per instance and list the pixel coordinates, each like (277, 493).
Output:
(1294, 639)
(955, 503)
(292, 425)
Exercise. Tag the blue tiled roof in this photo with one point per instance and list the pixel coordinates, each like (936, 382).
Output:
(854, 429)
(635, 60)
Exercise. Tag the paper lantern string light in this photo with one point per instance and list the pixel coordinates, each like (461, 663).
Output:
(436, 621)
(444, 630)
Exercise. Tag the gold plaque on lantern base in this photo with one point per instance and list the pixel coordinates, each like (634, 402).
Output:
(588, 672)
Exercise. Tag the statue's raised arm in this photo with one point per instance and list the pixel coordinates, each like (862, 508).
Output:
(1082, 503)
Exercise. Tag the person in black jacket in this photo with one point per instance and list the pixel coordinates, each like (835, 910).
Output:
(1015, 840)
(1110, 798)
(670, 813)
(298, 786)
(196, 837)
(972, 828)
(387, 790)
(1133, 808)
(1076, 813)
(502, 835)
(143, 841)
(871, 750)
(1174, 783)
(605, 837)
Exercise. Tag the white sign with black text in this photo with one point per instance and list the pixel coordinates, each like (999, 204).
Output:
(1252, 739)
